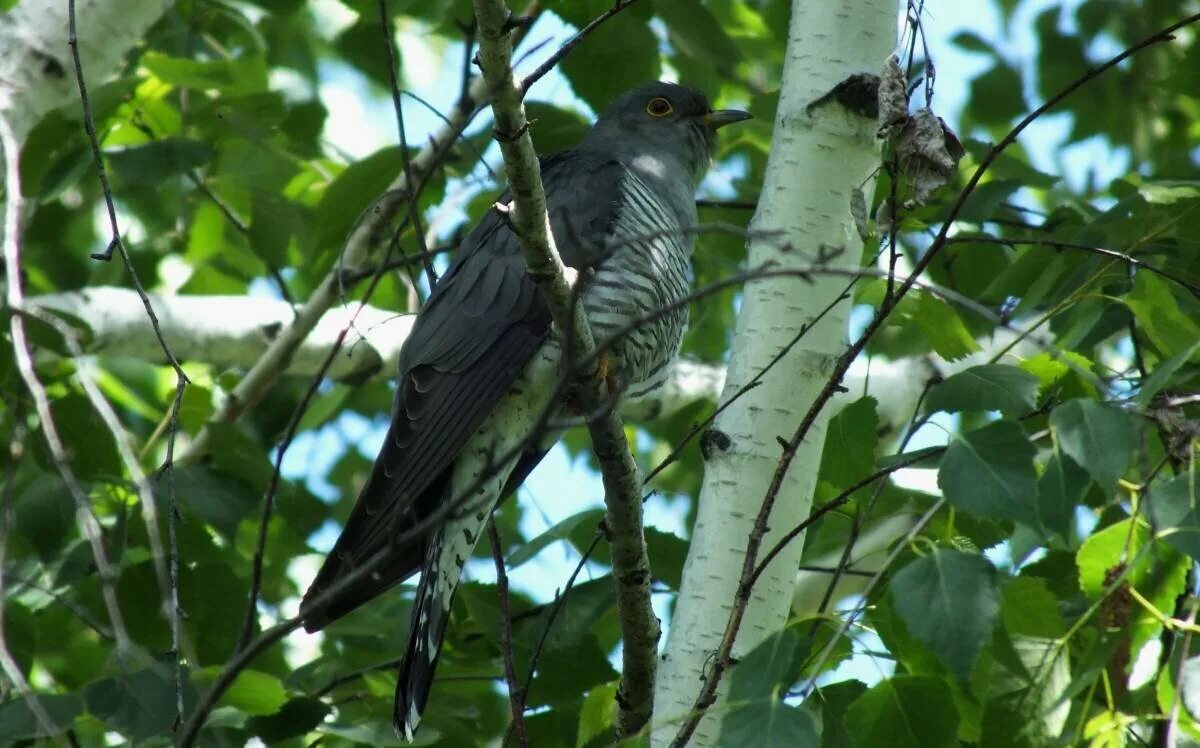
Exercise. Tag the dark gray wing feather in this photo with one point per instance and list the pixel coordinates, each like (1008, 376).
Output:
(477, 331)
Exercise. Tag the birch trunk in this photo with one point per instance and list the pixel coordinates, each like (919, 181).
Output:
(36, 64)
(817, 161)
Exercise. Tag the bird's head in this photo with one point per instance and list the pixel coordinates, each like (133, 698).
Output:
(664, 119)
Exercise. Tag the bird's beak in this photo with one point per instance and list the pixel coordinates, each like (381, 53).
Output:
(721, 117)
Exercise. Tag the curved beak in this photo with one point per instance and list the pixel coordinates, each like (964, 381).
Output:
(721, 117)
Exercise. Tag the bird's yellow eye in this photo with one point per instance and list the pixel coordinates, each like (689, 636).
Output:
(658, 107)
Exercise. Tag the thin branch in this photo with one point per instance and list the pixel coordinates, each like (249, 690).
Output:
(570, 44)
(819, 662)
(622, 482)
(83, 614)
(559, 600)
(516, 697)
(861, 514)
(1102, 251)
(268, 505)
(116, 242)
(414, 209)
(1184, 649)
(168, 582)
(24, 359)
(723, 659)
(85, 374)
(830, 505)
(168, 470)
(727, 204)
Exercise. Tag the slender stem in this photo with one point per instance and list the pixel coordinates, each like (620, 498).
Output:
(516, 696)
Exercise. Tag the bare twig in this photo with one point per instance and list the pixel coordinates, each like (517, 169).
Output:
(168, 584)
(1184, 649)
(829, 506)
(516, 696)
(173, 556)
(268, 505)
(24, 359)
(116, 242)
(1102, 251)
(570, 44)
(414, 209)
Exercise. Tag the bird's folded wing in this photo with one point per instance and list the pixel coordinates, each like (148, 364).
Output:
(477, 331)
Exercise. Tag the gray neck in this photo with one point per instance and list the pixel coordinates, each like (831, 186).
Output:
(666, 172)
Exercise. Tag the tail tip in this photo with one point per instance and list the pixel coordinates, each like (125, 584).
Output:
(408, 718)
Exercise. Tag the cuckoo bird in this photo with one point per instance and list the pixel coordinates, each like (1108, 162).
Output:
(482, 362)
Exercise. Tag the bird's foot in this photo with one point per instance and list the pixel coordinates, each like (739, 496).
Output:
(609, 371)
(612, 373)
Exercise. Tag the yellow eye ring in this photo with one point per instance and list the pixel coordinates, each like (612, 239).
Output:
(659, 107)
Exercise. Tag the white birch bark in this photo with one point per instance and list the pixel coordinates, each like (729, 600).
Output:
(36, 68)
(236, 331)
(817, 160)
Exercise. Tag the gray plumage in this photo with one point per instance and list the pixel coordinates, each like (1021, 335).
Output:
(482, 361)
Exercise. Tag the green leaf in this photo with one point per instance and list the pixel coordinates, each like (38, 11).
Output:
(274, 223)
(996, 96)
(18, 723)
(949, 601)
(619, 55)
(849, 454)
(1060, 489)
(554, 128)
(1161, 376)
(351, 193)
(986, 387)
(1098, 436)
(138, 705)
(696, 33)
(1028, 608)
(234, 452)
(1066, 370)
(297, 717)
(221, 501)
(154, 162)
(1062, 59)
(1160, 316)
(1155, 569)
(1168, 192)
(253, 692)
(990, 472)
(44, 516)
(560, 531)
(668, 552)
(598, 715)
(835, 702)
(943, 327)
(757, 714)
(214, 598)
(926, 457)
(1174, 515)
(907, 711)
(972, 42)
(231, 76)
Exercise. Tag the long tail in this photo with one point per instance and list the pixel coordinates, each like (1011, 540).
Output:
(505, 431)
(430, 614)
(426, 632)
